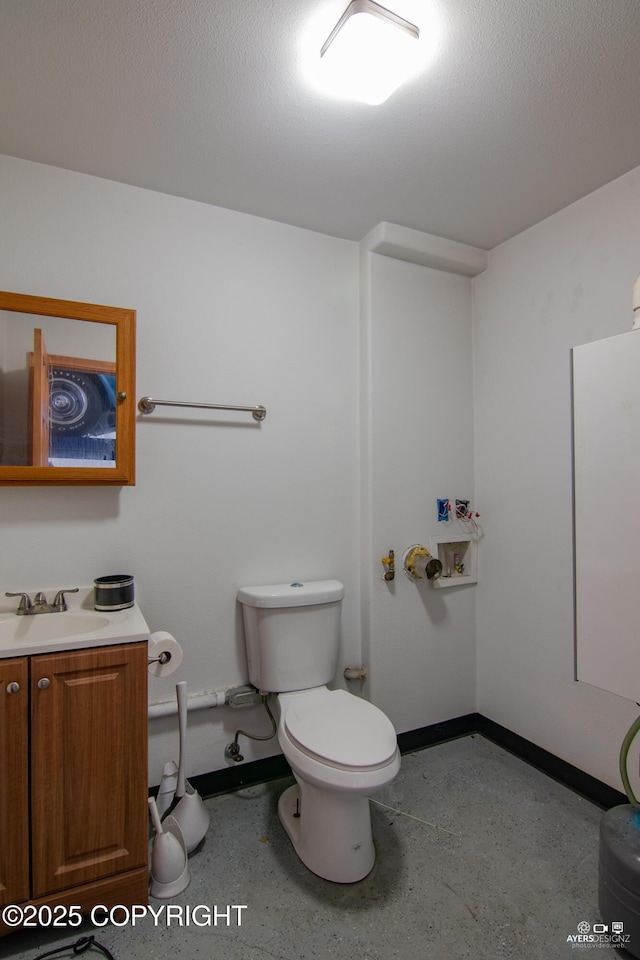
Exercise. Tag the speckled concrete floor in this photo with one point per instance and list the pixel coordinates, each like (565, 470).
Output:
(481, 856)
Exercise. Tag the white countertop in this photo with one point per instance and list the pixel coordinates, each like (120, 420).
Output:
(77, 628)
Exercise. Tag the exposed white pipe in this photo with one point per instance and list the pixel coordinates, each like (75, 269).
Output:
(636, 304)
(355, 673)
(204, 700)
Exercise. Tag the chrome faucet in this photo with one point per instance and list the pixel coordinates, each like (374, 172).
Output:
(40, 604)
(29, 608)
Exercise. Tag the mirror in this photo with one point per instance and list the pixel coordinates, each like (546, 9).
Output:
(67, 389)
(606, 475)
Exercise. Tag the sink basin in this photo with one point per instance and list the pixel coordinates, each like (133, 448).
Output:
(49, 626)
(79, 627)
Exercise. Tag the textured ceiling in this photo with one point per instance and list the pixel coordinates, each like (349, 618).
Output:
(526, 106)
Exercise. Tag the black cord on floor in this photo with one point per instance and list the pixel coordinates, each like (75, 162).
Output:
(84, 943)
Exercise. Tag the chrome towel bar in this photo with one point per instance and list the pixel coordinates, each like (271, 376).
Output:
(148, 405)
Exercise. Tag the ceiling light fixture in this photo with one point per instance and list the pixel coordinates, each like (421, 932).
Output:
(370, 52)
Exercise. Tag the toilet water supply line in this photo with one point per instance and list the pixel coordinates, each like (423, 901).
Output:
(232, 750)
(236, 697)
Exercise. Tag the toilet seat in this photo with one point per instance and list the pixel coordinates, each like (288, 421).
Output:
(340, 730)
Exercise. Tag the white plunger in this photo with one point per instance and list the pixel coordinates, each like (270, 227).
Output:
(188, 808)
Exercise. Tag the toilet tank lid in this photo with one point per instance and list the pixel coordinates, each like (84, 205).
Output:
(295, 594)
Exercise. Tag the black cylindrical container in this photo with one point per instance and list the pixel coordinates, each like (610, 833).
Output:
(113, 593)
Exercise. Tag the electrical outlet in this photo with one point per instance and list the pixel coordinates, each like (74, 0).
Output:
(444, 509)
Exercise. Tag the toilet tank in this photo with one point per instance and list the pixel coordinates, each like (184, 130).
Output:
(292, 633)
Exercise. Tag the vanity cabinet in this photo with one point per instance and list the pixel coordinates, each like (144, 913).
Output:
(14, 780)
(73, 752)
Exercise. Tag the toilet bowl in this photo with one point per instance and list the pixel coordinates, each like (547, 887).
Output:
(341, 748)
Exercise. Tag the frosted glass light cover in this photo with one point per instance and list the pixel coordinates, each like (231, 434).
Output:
(369, 55)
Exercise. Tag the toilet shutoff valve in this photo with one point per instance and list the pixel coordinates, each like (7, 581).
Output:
(232, 752)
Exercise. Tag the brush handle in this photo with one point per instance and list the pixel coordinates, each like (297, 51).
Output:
(181, 694)
(155, 816)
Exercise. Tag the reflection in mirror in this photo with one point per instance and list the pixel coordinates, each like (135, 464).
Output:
(57, 392)
(67, 392)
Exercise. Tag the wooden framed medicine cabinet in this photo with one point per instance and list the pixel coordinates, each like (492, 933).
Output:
(67, 392)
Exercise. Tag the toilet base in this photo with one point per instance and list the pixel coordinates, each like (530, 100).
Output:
(332, 834)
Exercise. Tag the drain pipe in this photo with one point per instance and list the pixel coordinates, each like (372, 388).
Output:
(636, 304)
(204, 700)
(243, 696)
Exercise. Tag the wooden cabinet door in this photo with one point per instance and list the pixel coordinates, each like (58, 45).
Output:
(88, 765)
(14, 780)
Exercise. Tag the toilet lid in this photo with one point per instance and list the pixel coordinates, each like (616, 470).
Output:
(341, 728)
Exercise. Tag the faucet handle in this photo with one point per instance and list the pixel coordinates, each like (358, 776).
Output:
(25, 604)
(60, 603)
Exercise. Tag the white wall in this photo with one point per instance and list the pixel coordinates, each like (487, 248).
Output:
(236, 309)
(566, 281)
(230, 309)
(417, 420)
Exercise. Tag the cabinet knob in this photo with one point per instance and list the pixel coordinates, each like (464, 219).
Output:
(44, 683)
(13, 687)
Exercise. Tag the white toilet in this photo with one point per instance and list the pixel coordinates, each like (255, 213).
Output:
(341, 748)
